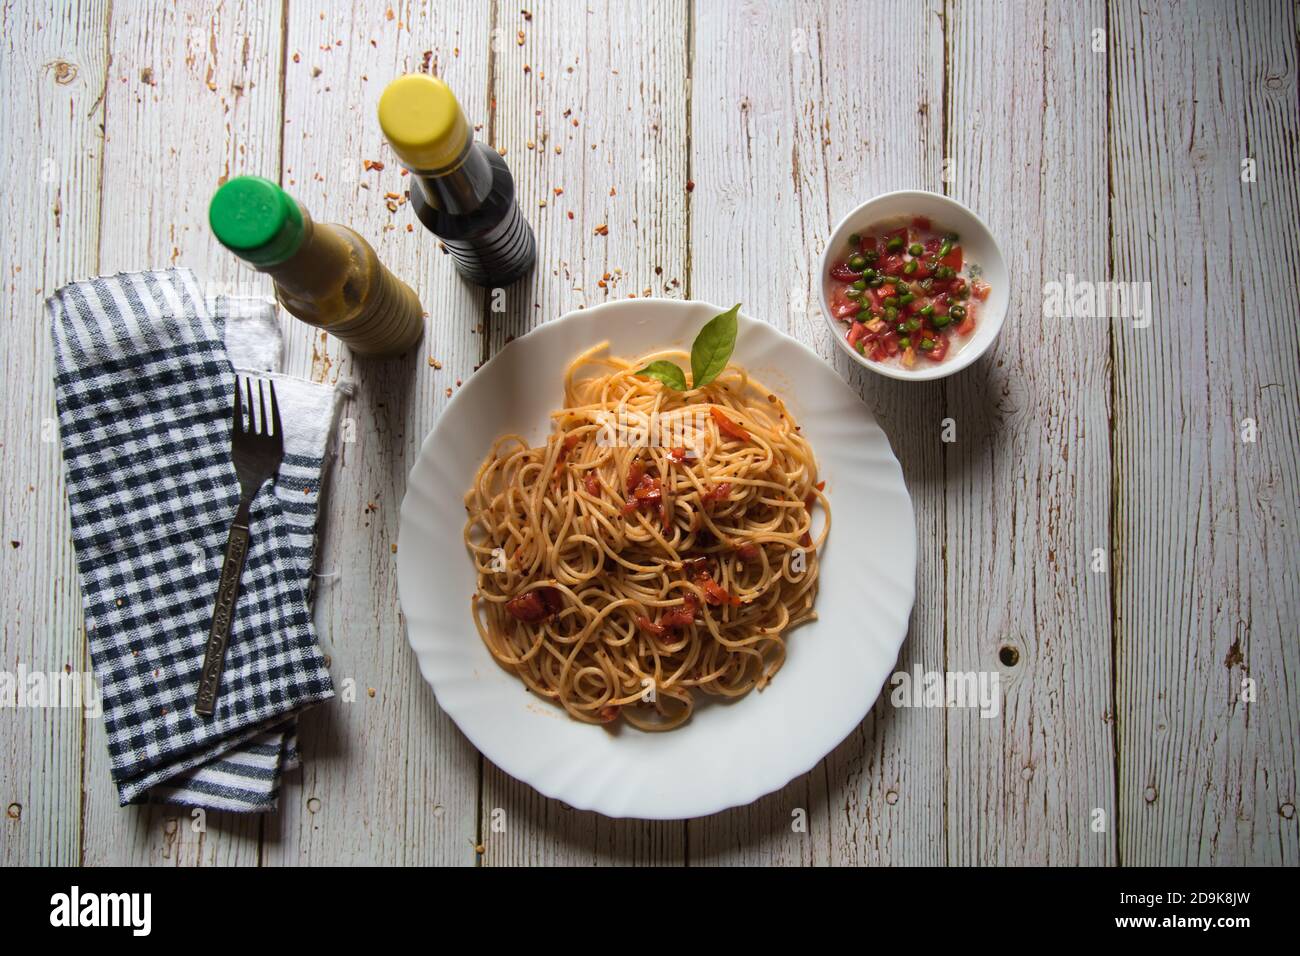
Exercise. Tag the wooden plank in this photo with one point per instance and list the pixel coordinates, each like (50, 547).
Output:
(781, 150)
(598, 89)
(53, 70)
(387, 778)
(1207, 595)
(1028, 478)
(193, 94)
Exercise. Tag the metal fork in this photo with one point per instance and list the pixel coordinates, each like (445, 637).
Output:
(257, 454)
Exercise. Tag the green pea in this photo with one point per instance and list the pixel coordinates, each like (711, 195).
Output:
(927, 344)
(945, 272)
(913, 325)
(915, 249)
(876, 281)
(910, 267)
(958, 311)
(861, 347)
(927, 310)
(891, 313)
(941, 321)
(853, 293)
(857, 263)
(871, 255)
(906, 298)
(859, 284)
(895, 244)
(945, 249)
(891, 300)
(904, 342)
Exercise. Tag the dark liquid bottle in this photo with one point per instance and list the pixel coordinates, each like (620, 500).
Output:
(462, 191)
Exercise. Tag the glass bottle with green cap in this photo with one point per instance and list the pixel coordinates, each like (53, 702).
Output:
(324, 273)
(461, 190)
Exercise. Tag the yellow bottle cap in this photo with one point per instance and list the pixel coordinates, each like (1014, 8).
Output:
(423, 122)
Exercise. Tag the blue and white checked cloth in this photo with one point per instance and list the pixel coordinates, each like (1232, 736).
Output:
(143, 383)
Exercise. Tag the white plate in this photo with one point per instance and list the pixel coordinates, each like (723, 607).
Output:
(729, 753)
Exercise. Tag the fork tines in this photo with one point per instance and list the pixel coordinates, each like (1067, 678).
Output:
(256, 423)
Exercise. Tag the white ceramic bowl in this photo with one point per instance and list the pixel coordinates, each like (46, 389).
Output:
(977, 243)
(728, 753)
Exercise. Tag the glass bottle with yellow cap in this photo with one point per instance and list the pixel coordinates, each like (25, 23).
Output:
(325, 274)
(462, 191)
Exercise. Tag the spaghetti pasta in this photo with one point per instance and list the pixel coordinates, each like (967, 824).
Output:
(660, 543)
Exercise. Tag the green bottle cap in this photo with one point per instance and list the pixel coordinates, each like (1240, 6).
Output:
(256, 220)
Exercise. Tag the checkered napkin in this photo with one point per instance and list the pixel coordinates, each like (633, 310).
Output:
(143, 383)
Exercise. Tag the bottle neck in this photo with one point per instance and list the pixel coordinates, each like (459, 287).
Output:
(324, 261)
(461, 190)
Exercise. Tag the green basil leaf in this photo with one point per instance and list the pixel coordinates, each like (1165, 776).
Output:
(666, 372)
(712, 348)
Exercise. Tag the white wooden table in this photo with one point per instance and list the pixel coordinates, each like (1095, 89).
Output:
(1099, 520)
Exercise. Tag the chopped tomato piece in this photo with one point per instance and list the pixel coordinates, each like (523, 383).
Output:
(680, 616)
(748, 552)
(856, 331)
(714, 593)
(842, 307)
(535, 605)
(867, 244)
(980, 289)
(842, 272)
(892, 265)
(648, 489)
(920, 222)
(634, 473)
(650, 627)
(591, 483)
(727, 426)
(609, 713)
(953, 260)
(677, 455)
(805, 539)
(890, 341)
(909, 356)
(967, 324)
(940, 349)
(719, 492)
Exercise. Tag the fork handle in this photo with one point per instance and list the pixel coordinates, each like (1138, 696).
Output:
(214, 657)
